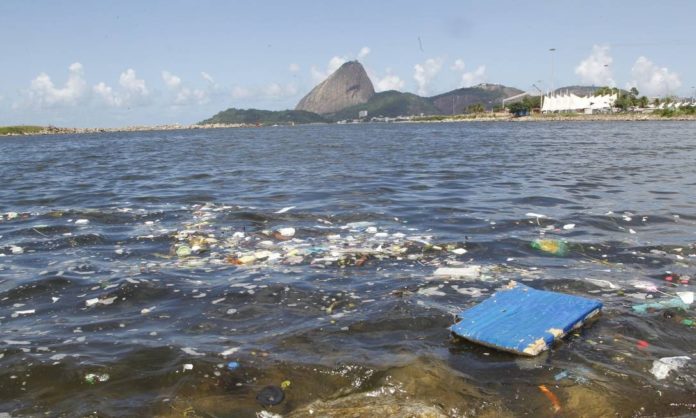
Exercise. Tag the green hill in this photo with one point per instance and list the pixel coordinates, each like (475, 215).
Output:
(457, 101)
(264, 117)
(390, 103)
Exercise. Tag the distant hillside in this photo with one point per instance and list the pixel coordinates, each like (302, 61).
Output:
(347, 86)
(264, 117)
(390, 103)
(577, 90)
(457, 101)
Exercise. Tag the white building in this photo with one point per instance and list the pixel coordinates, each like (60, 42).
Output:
(569, 102)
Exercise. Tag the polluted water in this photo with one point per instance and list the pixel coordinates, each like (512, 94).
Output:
(302, 271)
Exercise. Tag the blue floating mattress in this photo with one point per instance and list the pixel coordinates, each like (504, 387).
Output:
(522, 320)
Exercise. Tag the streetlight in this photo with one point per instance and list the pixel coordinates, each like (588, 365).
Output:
(552, 50)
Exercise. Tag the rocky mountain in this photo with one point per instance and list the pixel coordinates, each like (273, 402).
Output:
(457, 101)
(347, 86)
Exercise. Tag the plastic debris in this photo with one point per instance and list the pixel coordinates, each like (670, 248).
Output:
(469, 272)
(183, 251)
(15, 314)
(232, 365)
(560, 376)
(551, 246)
(285, 209)
(551, 397)
(14, 249)
(285, 384)
(686, 297)
(229, 351)
(264, 414)
(568, 227)
(93, 378)
(660, 305)
(522, 320)
(662, 367)
(82, 222)
(642, 344)
(187, 366)
(287, 232)
(459, 251)
(270, 395)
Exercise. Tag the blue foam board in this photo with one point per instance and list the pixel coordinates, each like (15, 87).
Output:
(522, 320)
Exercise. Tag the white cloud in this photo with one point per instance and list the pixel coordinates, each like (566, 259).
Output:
(364, 52)
(470, 78)
(334, 63)
(133, 91)
(276, 91)
(425, 72)
(652, 80)
(475, 77)
(389, 82)
(239, 92)
(270, 91)
(42, 91)
(136, 89)
(596, 68)
(458, 65)
(172, 81)
(107, 95)
(293, 68)
(207, 77)
(186, 96)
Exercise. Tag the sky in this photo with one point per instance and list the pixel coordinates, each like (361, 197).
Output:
(85, 63)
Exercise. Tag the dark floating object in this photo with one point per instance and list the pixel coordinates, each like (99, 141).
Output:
(270, 395)
(522, 320)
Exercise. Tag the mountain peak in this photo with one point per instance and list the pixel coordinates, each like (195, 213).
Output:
(347, 86)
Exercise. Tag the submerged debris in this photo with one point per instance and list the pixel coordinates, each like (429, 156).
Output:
(662, 367)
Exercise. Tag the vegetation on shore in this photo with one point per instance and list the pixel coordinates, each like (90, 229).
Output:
(390, 103)
(672, 113)
(22, 130)
(264, 117)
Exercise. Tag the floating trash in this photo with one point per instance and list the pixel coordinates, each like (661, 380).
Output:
(551, 246)
(93, 378)
(661, 305)
(522, 320)
(662, 367)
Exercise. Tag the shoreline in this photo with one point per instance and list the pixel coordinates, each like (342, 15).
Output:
(51, 130)
(616, 117)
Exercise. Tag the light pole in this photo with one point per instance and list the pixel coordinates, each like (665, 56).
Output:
(552, 50)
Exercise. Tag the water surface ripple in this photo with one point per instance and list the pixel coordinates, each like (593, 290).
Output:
(135, 266)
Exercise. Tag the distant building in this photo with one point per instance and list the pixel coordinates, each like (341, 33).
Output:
(572, 103)
(362, 114)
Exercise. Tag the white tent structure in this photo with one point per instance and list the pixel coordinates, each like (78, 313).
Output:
(572, 103)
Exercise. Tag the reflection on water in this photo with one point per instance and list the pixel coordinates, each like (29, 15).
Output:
(135, 266)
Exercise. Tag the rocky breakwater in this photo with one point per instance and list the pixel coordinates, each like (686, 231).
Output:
(347, 86)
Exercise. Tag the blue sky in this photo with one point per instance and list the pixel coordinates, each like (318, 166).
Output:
(114, 63)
